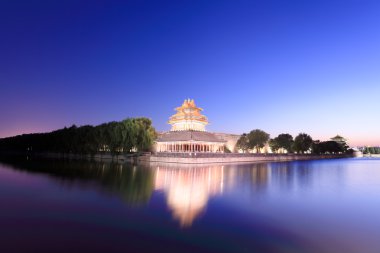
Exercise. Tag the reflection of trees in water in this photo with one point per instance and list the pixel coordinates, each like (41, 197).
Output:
(303, 172)
(259, 175)
(254, 176)
(288, 175)
(283, 175)
(188, 188)
(133, 184)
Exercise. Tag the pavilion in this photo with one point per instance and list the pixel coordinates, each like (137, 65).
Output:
(188, 132)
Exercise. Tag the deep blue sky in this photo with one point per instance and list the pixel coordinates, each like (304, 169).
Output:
(282, 66)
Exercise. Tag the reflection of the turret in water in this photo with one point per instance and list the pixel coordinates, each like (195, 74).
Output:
(188, 188)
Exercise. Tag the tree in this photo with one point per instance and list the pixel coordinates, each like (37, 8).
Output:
(242, 143)
(284, 141)
(341, 141)
(114, 136)
(331, 147)
(257, 139)
(146, 134)
(302, 143)
(316, 147)
(113, 132)
(273, 144)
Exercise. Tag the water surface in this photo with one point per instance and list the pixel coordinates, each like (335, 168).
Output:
(79, 206)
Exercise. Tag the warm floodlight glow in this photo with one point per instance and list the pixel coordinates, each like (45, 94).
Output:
(188, 189)
(188, 117)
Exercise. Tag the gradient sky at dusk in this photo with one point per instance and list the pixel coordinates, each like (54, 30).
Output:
(281, 66)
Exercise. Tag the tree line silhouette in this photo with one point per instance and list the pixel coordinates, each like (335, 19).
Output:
(129, 135)
(257, 139)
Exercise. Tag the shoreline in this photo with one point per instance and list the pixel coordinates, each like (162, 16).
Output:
(371, 155)
(188, 158)
(182, 158)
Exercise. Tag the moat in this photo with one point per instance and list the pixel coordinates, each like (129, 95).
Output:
(81, 206)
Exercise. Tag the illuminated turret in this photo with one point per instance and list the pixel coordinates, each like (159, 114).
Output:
(188, 117)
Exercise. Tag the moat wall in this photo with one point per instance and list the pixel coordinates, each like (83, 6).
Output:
(185, 158)
(195, 158)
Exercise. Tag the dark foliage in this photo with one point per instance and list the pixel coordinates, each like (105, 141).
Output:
(284, 141)
(134, 134)
(328, 147)
(302, 143)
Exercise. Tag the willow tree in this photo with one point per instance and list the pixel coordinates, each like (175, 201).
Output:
(124, 136)
(146, 134)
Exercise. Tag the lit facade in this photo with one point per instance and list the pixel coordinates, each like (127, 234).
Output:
(188, 132)
(188, 117)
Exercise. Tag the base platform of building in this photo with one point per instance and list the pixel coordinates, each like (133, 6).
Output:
(201, 158)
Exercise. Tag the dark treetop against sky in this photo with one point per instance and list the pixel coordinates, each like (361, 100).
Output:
(281, 66)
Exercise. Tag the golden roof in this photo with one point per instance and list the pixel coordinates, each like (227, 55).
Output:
(188, 111)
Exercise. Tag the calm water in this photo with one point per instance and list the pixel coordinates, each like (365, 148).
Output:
(308, 206)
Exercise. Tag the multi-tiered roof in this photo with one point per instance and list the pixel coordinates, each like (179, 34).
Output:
(188, 117)
(188, 128)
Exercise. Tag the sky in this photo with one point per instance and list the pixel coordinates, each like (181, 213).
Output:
(280, 66)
